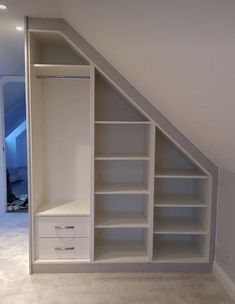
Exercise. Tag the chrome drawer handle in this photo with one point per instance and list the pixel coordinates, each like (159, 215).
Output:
(64, 248)
(64, 227)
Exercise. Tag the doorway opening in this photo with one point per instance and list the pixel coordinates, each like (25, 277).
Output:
(14, 158)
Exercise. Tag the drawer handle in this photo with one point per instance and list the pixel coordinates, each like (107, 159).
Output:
(64, 227)
(64, 248)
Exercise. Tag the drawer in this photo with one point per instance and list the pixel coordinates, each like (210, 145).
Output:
(63, 248)
(62, 226)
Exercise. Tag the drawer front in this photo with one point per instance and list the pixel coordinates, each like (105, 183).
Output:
(62, 227)
(63, 248)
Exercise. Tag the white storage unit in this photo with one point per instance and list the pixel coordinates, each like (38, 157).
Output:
(107, 185)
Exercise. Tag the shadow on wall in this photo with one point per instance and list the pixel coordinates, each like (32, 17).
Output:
(16, 151)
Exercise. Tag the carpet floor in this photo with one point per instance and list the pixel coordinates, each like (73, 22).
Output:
(17, 287)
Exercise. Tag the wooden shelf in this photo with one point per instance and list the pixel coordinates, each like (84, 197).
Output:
(177, 200)
(122, 188)
(179, 174)
(121, 220)
(176, 225)
(120, 252)
(122, 157)
(120, 122)
(175, 251)
(58, 70)
(69, 209)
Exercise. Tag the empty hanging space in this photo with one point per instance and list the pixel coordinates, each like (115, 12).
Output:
(60, 122)
(118, 245)
(180, 248)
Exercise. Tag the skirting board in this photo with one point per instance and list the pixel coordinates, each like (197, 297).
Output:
(226, 282)
(131, 267)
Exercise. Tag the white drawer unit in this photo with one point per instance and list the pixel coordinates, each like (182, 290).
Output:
(63, 248)
(62, 227)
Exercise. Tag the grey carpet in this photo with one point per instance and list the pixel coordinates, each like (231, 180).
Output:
(17, 287)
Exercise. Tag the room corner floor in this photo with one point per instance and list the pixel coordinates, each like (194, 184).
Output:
(16, 286)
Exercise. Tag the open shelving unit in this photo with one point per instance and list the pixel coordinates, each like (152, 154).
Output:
(109, 181)
(122, 178)
(181, 201)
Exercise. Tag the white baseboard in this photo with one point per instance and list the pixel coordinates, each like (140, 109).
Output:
(226, 282)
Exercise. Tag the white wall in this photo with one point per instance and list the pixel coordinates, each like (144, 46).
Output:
(177, 53)
(225, 248)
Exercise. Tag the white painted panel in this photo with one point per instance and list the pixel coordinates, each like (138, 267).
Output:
(36, 144)
(67, 142)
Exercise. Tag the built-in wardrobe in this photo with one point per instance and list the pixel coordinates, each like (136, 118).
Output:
(110, 188)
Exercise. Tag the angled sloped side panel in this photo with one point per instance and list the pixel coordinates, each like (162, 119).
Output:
(59, 25)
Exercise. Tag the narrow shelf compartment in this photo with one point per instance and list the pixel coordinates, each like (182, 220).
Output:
(131, 140)
(121, 220)
(180, 249)
(180, 192)
(120, 245)
(178, 200)
(61, 70)
(176, 225)
(121, 176)
(121, 252)
(121, 211)
(180, 220)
